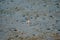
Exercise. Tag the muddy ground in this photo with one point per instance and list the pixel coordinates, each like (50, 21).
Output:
(29, 19)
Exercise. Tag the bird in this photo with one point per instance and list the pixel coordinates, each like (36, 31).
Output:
(28, 22)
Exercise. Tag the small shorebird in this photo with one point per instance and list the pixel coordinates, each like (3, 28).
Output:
(28, 22)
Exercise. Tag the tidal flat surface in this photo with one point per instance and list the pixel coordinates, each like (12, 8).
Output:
(29, 19)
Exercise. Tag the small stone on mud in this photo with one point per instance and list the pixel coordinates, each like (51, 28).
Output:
(33, 34)
(37, 15)
(23, 15)
(58, 29)
(48, 28)
(57, 3)
(17, 20)
(57, 21)
(15, 30)
(16, 36)
(51, 16)
(31, 17)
